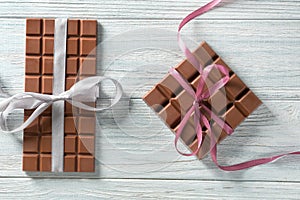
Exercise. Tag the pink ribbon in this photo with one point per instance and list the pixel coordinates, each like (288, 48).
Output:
(201, 94)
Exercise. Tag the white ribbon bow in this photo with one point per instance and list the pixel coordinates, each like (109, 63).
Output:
(85, 90)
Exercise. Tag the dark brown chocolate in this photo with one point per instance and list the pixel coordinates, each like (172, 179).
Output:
(232, 103)
(78, 142)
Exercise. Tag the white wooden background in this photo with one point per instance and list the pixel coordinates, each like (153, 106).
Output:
(259, 39)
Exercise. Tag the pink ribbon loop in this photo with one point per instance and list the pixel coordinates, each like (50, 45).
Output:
(200, 95)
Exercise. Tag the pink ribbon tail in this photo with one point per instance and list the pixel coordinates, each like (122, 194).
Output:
(247, 164)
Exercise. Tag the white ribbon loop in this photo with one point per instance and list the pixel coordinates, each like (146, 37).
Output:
(86, 90)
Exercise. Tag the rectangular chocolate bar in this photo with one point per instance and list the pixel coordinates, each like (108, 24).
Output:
(79, 125)
(232, 103)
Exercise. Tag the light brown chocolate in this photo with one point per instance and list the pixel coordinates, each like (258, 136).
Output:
(232, 103)
(79, 128)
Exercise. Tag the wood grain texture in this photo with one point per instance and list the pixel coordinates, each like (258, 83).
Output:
(133, 143)
(259, 40)
(264, 48)
(143, 189)
(140, 9)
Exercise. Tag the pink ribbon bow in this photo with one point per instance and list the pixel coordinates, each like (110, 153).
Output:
(200, 95)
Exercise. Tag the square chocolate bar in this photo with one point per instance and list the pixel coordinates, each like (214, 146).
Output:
(79, 126)
(232, 103)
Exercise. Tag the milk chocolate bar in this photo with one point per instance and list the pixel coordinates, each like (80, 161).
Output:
(232, 103)
(79, 125)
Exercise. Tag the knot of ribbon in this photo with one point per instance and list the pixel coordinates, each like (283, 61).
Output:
(86, 90)
(199, 96)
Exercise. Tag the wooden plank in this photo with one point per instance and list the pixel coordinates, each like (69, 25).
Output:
(13, 188)
(139, 9)
(133, 143)
(263, 53)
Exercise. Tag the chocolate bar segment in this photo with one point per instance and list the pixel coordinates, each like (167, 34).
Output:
(79, 128)
(232, 103)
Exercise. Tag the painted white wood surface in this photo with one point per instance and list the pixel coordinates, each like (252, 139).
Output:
(144, 189)
(259, 39)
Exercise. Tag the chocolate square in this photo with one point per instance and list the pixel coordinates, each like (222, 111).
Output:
(232, 103)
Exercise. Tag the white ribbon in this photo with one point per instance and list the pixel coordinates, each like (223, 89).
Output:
(82, 91)
(59, 71)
